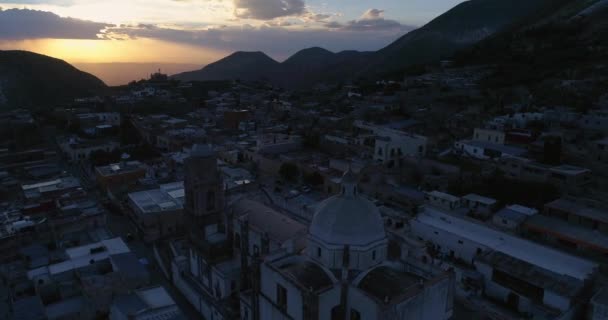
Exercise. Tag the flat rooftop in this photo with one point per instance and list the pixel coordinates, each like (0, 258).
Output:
(385, 282)
(514, 151)
(307, 274)
(481, 199)
(591, 238)
(578, 209)
(120, 168)
(279, 227)
(528, 251)
(561, 284)
(166, 198)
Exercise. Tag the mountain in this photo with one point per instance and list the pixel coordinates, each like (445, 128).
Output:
(559, 55)
(459, 28)
(239, 65)
(29, 80)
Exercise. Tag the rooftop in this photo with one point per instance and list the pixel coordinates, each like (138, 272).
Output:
(144, 300)
(82, 256)
(591, 238)
(306, 273)
(443, 195)
(480, 199)
(120, 168)
(168, 197)
(508, 214)
(515, 151)
(528, 251)
(278, 226)
(561, 284)
(578, 209)
(386, 284)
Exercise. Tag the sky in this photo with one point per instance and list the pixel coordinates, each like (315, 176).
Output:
(171, 33)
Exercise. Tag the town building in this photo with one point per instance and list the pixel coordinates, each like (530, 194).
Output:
(487, 135)
(158, 213)
(527, 276)
(145, 304)
(121, 174)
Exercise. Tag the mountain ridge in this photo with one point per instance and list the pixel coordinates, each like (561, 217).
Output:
(440, 38)
(29, 79)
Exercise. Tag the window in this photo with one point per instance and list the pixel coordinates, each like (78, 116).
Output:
(460, 242)
(319, 252)
(281, 297)
(374, 255)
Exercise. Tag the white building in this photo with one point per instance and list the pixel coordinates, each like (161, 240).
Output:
(345, 272)
(512, 217)
(76, 149)
(492, 136)
(393, 144)
(526, 275)
(484, 150)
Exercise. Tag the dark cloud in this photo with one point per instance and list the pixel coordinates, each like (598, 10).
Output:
(371, 20)
(268, 9)
(277, 41)
(16, 24)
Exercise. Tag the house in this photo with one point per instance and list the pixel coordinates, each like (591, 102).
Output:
(158, 213)
(578, 214)
(484, 150)
(120, 174)
(523, 274)
(487, 135)
(479, 205)
(512, 217)
(76, 149)
(442, 200)
(566, 177)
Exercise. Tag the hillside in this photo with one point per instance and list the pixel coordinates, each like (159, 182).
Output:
(237, 66)
(459, 28)
(560, 55)
(32, 80)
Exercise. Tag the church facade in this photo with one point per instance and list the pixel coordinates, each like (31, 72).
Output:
(247, 261)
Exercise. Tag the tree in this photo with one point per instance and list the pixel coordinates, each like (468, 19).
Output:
(289, 171)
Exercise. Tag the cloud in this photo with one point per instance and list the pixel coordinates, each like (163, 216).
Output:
(277, 41)
(51, 2)
(268, 9)
(370, 20)
(17, 24)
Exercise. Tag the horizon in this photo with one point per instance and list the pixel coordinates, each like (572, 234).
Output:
(166, 34)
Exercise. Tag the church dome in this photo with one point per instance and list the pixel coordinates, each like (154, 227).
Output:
(347, 218)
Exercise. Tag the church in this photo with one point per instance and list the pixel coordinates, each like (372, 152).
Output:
(244, 260)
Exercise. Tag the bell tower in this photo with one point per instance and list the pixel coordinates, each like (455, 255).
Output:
(204, 187)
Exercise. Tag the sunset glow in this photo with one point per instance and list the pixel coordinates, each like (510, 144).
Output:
(200, 32)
